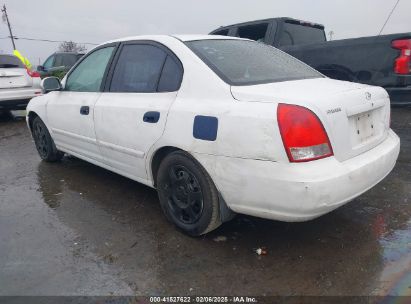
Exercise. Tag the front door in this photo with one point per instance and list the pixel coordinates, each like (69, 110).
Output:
(131, 115)
(70, 112)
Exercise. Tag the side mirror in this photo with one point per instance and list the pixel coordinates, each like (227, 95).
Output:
(50, 84)
(40, 68)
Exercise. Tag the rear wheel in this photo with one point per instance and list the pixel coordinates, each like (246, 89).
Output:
(187, 194)
(44, 143)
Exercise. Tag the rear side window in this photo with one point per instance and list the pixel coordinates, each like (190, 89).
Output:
(8, 61)
(244, 62)
(255, 32)
(221, 32)
(68, 60)
(294, 34)
(144, 68)
(59, 61)
(171, 76)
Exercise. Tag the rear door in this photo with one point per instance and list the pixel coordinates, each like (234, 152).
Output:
(130, 115)
(13, 73)
(70, 112)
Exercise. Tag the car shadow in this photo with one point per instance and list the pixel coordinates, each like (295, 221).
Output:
(339, 253)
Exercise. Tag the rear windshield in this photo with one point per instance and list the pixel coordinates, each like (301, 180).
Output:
(241, 62)
(294, 34)
(8, 61)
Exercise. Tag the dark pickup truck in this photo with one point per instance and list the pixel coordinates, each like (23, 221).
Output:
(380, 60)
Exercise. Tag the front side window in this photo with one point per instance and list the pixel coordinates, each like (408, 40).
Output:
(241, 62)
(138, 69)
(49, 62)
(88, 75)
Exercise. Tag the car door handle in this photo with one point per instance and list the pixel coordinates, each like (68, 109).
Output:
(151, 117)
(84, 110)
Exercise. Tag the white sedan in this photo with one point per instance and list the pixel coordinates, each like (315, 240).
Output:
(218, 126)
(17, 83)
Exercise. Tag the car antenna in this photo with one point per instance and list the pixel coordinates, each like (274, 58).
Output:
(385, 23)
(389, 16)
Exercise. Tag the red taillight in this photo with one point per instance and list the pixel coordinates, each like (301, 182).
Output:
(33, 74)
(402, 64)
(303, 134)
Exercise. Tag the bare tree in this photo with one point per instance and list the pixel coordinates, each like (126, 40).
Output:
(71, 46)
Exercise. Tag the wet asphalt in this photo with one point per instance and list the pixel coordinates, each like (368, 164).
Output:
(72, 228)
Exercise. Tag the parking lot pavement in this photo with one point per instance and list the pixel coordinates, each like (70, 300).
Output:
(72, 228)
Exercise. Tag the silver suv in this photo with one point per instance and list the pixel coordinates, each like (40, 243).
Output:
(17, 83)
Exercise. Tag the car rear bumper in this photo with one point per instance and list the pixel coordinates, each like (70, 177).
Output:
(298, 191)
(17, 98)
(400, 95)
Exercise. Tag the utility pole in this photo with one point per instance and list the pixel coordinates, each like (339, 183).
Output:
(5, 16)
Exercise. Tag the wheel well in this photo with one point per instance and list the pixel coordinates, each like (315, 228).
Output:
(158, 157)
(32, 116)
(226, 213)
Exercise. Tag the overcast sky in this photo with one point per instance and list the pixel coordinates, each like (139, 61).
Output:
(98, 21)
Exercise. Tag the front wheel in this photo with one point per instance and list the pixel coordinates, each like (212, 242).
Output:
(44, 143)
(187, 194)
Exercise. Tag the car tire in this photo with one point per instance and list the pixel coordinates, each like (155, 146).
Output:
(187, 194)
(44, 143)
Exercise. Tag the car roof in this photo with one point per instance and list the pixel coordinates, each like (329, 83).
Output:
(184, 37)
(268, 20)
(69, 53)
(204, 37)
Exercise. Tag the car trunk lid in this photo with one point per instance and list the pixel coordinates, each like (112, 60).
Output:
(14, 78)
(355, 116)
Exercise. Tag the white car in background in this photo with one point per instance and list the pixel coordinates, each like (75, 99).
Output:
(17, 84)
(218, 125)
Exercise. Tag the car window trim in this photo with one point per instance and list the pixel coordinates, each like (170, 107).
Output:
(109, 63)
(159, 45)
